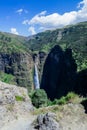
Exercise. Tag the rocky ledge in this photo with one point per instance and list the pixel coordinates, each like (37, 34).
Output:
(14, 103)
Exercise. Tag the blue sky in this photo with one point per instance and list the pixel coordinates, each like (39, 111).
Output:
(27, 17)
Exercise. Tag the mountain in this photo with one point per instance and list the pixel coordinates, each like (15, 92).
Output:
(74, 37)
(18, 53)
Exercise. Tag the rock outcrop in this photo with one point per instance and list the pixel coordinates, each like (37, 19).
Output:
(47, 122)
(59, 73)
(14, 103)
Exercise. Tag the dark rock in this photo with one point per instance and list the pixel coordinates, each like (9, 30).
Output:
(59, 73)
(47, 122)
(81, 85)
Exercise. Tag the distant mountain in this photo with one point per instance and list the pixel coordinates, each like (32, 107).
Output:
(10, 43)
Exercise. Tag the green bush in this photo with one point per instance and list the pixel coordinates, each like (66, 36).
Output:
(39, 98)
(70, 97)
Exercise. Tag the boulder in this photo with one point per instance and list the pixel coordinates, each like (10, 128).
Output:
(47, 122)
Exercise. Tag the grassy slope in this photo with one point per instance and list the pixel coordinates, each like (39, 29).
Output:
(10, 43)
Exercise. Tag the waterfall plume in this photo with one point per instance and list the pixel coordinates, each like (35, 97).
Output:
(36, 78)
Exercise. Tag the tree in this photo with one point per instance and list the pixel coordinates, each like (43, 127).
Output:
(39, 98)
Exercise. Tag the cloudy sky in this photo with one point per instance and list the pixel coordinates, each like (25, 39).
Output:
(28, 17)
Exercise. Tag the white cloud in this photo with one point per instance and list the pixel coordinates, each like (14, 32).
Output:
(25, 22)
(42, 13)
(32, 30)
(56, 20)
(14, 31)
(20, 11)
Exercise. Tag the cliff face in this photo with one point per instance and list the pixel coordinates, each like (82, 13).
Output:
(39, 60)
(20, 65)
(59, 73)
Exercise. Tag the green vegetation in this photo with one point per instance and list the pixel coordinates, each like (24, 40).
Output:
(39, 98)
(7, 78)
(69, 98)
(19, 98)
(59, 105)
(10, 43)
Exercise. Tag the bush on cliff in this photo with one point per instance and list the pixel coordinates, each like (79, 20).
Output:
(39, 98)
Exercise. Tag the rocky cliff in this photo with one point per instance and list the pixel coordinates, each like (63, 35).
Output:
(20, 65)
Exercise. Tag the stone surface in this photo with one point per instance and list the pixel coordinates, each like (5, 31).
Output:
(47, 122)
(10, 107)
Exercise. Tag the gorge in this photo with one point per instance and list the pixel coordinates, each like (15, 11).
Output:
(54, 60)
(58, 55)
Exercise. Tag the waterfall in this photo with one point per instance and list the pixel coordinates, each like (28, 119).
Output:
(36, 78)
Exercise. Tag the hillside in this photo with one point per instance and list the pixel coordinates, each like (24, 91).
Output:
(74, 37)
(10, 43)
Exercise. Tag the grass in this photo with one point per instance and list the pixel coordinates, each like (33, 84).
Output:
(19, 98)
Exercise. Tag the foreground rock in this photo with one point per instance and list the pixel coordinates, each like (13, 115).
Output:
(47, 122)
(14, 103)
(67, 117)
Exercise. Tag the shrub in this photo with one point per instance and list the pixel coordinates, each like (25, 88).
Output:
(70, 96)
(49, 103)
(65, 99)
(39, 98)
